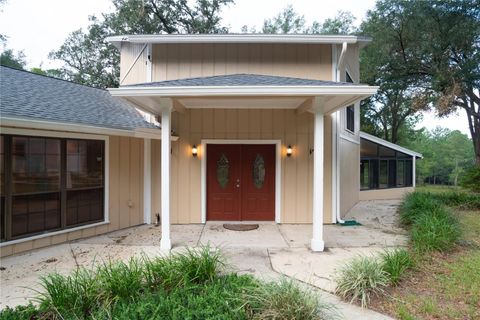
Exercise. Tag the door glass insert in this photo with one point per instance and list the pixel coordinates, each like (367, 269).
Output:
(223, 168)
(259, 171)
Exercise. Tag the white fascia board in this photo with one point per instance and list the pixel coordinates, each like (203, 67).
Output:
(238, 38)
(390, 145)
(75, 127)
(202, 91)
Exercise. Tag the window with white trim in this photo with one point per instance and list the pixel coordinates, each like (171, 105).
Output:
(50, 184)
(350, 110)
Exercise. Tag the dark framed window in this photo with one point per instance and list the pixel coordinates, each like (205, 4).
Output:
(350, 110)
(50, 184)
(382, 167)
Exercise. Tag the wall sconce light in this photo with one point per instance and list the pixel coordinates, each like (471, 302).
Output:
(194, 150)
(289, 151)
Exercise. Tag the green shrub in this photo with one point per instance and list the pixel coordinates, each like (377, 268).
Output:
(360, 279)
(395, 263)
(21, 312)
(192, 266)
(76, 294)
(121, 280)
(439, 230)
(285, 300)
(416, 204)
(458, 199)
(218, 299)
(471, 179)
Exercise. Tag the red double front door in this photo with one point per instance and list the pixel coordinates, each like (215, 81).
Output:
(240, 182)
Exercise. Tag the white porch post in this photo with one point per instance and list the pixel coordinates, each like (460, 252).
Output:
(414, 171)
(166, 109)
(147, 181)
(317, 243)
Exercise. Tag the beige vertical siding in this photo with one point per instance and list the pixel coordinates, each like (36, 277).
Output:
(285, 125)
(138, 71)
(125, 196)
(385, 194)
(176, 61)
(349, 174)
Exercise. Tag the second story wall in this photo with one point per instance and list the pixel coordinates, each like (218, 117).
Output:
(177, 61)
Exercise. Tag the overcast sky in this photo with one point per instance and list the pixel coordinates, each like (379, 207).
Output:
(40, 26)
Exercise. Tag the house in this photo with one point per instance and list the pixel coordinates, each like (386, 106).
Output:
(250, 128)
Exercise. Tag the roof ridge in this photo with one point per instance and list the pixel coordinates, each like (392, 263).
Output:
(53, 78)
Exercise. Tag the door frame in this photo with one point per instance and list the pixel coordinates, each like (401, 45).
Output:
(278, 170)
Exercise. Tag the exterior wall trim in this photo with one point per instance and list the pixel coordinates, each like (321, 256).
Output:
(77, 128)
(54, 134)
(278, 171)
(362, 91)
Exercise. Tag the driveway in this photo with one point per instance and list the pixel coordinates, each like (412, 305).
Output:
(269, 252)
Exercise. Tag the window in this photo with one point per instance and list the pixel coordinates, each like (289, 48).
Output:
(350, 110)
(50, 184)
(382, 167)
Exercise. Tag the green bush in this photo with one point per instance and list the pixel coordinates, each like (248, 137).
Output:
(360, 279)
(121, 280)
(21, 312)
(416, 204)
(471, 179)
(395, 263)
(221, 298)
(285, 300)
(439, 230)
(462, 200)
(76, 294)
(188, 285)
(435, 232)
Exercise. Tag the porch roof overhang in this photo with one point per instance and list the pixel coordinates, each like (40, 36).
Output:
(299, 97)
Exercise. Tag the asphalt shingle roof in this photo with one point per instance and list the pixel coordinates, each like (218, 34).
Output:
(241, 80)
(27, 95)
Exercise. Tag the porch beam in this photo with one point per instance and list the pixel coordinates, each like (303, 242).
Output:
(317, 243)
(304, 106)
(165, 106)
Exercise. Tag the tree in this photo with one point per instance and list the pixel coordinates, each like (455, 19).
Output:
(447, 155)
(434, 51)
(342, 23)
(10, 59)
(287, 21)
(88, 59)
(290, 21)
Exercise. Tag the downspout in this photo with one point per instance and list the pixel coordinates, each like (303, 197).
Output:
(340, 221)
(340, 62)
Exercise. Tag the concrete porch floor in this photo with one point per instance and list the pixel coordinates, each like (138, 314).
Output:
(269, 252)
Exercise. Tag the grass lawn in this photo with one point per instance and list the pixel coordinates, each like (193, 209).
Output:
(442, 285)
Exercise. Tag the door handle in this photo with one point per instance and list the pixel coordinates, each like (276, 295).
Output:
(237, 183)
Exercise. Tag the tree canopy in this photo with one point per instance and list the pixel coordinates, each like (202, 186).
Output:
(425, 54)
(89, 60)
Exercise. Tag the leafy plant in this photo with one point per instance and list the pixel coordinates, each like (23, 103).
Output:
(76, 294)
(439, 230)
(471, 179)
(395, 263)
(121, 280)
(360, 279)
(285, 300)
(416, 204)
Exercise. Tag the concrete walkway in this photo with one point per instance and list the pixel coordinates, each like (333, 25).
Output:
(270, 252)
